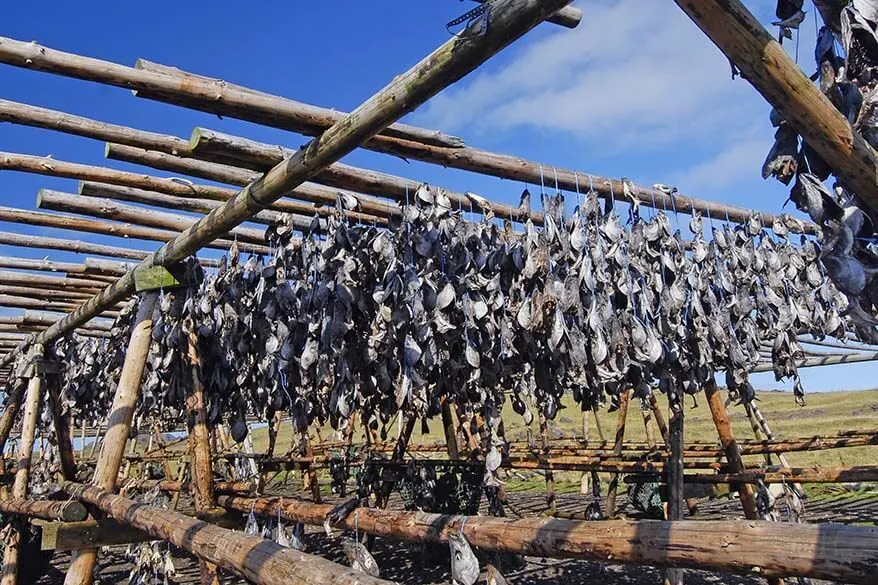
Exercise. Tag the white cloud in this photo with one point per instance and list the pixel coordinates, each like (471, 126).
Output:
(633, 74)
(739, 163)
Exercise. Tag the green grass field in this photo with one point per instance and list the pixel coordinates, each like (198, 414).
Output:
(824, 414)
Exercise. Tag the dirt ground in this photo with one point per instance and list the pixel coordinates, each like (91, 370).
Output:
(413, 564)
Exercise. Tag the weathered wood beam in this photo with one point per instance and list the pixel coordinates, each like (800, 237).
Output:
(107, 209)
(116, 229)
(767, 66)
(827, 551)
(624, 400)
(321, 199)
(7, 420)
(204, 206)
(802, 475)
(44, 318)
(118, 423)
(676, 497)
(79, 247)
(446, 65)
(16, 302)
(56, 282)
(568, 16)
(71, 511)
(260, 561)
(832, 360)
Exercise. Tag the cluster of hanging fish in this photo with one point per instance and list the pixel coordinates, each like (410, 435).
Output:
(380, 321)
(849, 78)
(151, 561)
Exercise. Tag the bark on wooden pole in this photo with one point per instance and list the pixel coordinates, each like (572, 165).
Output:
(66, 245)
(827, 551)
(118, 424)
(624, 400)
(202, 488)
(544, 452)
(659, 419)
(260, 561)
(449, 63)
(107, 209)
(320, 198)
(222, 98)
(30, 414)
(676, 494)
(119, 230)
(62, 429)
(71, 511)
(767, 66)
(746, 491)
(449, 426)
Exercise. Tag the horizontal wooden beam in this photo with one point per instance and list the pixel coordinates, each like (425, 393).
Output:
(827, 551)
(260, 561)
(67, 511)
(108, 209)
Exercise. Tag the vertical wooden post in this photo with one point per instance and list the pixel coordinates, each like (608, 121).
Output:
(675, 476)
(550, 476)
(118, 425)
(647, 428)
(13, 404)
(624, 399)
(11, 554)
(200, 453)
(584, 483)
(62, 429)
(746, 491)
(448, 424)
(659, 419)
(273, 427)
(96, 441)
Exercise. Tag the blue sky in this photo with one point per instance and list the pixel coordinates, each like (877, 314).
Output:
(635, 91)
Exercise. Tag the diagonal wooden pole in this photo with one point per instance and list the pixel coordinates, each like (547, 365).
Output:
(118, 424)
(746, 491)
(7, 420)
(767, 66)
(624, 400)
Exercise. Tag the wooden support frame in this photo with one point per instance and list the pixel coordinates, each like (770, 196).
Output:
(30, 414)
(447, 64)
(767, 66)
(118, 424)
(746, 491)
(676, 497)
(624, 401)
(828, 551)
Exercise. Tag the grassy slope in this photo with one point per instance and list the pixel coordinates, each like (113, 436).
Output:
(824, 414)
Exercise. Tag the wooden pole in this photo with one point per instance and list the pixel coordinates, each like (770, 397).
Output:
(568, 16)
(676, 495)
(450, 428)
(767, 66)
(260, 561)
(119, 230)
(62, 430)
(321, 199)
(155, 199)
(118, 424)
(12, 550)
(71, 511)
(659, 419)
(449, 63)
(199, 450)
(59, 283)
(46, 243)
(746, 491)
(550, 477)
(107, 209)
(219, 97)
(828, 551)
(624, 399)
